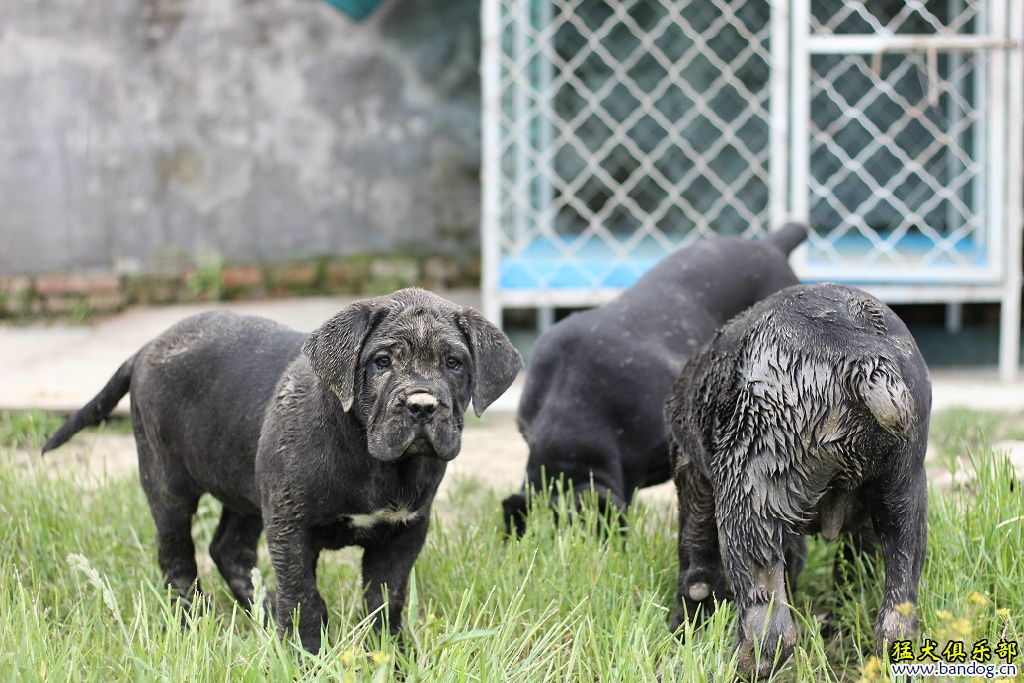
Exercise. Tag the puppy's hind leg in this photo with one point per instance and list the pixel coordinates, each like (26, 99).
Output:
(701, 580)
(901, 520)
(172, 503)
(754, 554)
(233, 550)
(176, 551)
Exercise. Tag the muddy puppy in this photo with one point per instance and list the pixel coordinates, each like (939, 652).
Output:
(591, 409)
(326, 440)
(806, 414)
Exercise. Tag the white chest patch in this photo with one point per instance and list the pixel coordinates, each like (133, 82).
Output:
(385, 516)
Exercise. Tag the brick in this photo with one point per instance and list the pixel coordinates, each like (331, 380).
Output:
(15, 285)
(379, 286)
(467, 272)
(346, 275)
(63, 303)
(439, 270)
(76, 284)
(399, 269)
(296, 275)
(242, 277)
(154, 289)
(105, 302)
(15, 305)
(15, 294)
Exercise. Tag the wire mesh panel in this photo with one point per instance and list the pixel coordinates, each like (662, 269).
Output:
(898, 176)
(615, 132)
(624, 130)
(899, 17)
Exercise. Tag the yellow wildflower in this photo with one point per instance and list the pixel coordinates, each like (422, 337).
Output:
(905, 608)
(380, 658)
(347, 658)
(977, 598)
(944, 615)
(962, 626)
(1003, 613)
(872, 669)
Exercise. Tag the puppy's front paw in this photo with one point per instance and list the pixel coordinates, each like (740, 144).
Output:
(310, 642)
(776, 634)
(750, 666)
(894, 623)
(697, 596)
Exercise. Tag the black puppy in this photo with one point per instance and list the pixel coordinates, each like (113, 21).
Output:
(591, 410)
(808, 413)
(326, 440)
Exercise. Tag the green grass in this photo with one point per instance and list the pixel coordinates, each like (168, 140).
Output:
(28, 429)
(79, 593)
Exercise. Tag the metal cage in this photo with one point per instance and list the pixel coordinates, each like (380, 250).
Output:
(614, 133)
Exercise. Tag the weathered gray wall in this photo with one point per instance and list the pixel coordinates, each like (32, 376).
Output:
(136, 134)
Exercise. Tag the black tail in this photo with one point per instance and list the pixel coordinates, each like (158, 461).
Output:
(788, 238)
(93, 412)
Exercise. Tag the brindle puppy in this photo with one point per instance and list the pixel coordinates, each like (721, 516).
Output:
(326, 440)
(807, 413)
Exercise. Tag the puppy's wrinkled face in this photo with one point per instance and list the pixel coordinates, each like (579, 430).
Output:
(407, 365)
(413, 384)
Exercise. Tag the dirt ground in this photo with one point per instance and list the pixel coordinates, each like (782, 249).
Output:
(493, 454)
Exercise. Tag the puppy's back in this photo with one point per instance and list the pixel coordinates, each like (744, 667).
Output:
(200, 391)
(794, 376)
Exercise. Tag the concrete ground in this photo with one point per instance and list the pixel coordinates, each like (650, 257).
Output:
(60, 367)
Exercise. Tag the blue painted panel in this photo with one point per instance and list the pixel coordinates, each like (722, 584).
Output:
(542, 264)
(356, 9)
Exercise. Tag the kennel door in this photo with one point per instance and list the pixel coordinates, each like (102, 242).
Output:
(899, 122)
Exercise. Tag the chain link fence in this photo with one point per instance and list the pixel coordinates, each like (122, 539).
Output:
(614, 133)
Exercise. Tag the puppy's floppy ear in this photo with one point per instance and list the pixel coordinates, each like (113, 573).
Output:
(333, 349)
(495, 361)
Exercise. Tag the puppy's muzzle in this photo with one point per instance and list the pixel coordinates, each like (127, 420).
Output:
(421, 406)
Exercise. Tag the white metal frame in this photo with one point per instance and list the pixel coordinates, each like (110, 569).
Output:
(807, 45)
(490, 207)
(1001, 280)
(791, 46)
(1009, 338)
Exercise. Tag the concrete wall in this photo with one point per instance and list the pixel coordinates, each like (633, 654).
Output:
(138, 135)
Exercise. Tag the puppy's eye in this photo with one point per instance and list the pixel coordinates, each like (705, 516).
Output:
(382, 362)
(453, 363)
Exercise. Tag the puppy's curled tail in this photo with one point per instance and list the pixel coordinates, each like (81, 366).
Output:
(93, 412)
(879, 384)
(788, 238)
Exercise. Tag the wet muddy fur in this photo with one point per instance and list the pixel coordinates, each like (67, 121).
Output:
(591, 409)
(806, 414)
(326, 440)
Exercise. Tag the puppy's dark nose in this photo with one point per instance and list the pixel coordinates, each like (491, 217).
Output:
(421, 406)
